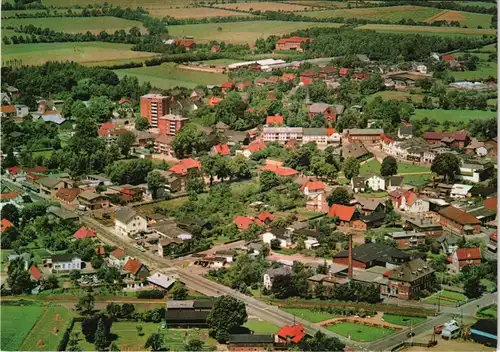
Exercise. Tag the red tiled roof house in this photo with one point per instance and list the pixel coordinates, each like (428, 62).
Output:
(458, 221)
(464, 257)
(347, 217)
(292, 43)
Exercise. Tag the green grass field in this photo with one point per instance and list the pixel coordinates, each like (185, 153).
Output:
(489, 311)
(261, 327)
(168, 75)
(360, 332)
(427, 30)
(239, 32)
(370, 166)
(402, 320)
(392, 13)
(76, 24)
(16, 322)
(404, 168)
(484, 70)
(128, 339)
(92, 52)
(441, 115)
(418, 180)
(309, 315)
(448, 298)
(396, 95)
(55, 318)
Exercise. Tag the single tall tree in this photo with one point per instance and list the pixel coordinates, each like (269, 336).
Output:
(340, 195)
(100, 339)
(389, 166)
(125, 142)
(446, 165)
(155, 180)
(155, 342)
(351, 168)
(227, 314)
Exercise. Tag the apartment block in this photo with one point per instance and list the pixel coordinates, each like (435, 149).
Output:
(153, 106)
(171, 124)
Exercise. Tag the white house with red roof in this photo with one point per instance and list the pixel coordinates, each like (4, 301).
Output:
(118, 258)
(312, 188)
(408, 201)
(243, 222)
(464, 257)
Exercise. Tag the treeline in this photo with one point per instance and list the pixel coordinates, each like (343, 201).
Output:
(179, 58)
(449, 5)
(384, 46)
(136, 14)
(47, 35)
(22, 5)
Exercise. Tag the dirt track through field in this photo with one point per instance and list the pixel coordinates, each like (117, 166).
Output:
(446, 15)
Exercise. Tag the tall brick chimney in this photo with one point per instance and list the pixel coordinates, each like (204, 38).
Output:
(349, 273)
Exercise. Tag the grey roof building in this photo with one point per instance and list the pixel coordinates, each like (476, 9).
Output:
(125, 214)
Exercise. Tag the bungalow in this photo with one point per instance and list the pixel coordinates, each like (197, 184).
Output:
(187, 44)
(84, 232)
(291, 334)
(464, 257)
(243, 222)
(214, 101)
(162, 281)
(458, 221)
(280, 170)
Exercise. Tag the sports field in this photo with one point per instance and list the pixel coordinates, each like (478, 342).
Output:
(241, 32)
(452, 115)
(160, 10)
(360, 332)
(264, 6)
(393, 13)
(469, 19)
(168, 76)
(90, 52)
(389, 28)
(16, 323)
(47, 332)
(76, 24)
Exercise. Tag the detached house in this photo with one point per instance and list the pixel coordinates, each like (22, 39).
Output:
(68, 195)
(292, 43)
(128, 222)
(348, 217)
(136, 273)
(93, 201)
(464, 257)
(313, 188)
(408, 201)
(184, 166)
(322, 109)
(64, 262)
(50, 185)
(84, 232)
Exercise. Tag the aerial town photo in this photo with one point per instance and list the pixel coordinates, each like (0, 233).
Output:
(245, 175)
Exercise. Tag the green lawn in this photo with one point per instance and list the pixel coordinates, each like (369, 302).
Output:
(489, 311)
(393, 13)
(95, 53)
(16, 323)
(55, 318)
(402, 320)
(128, 339)
(448, 298)
(396, 95)
(442, 115)
(418, 180)
(485, 70)
(168, 75)
(261, 327)
(370, 166)
(309, 315)
(76, 24)
(373, 194)
(45, 153)
(239, 32)
(360, 332)
(409, 168)
(490, 285)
